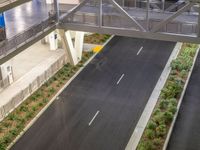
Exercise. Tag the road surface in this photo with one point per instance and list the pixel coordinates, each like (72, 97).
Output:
(101, 107)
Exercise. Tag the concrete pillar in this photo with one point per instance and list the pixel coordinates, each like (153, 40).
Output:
(6, 71)
(73, 51)
(79, 39)
(49, 1)
(53, 40)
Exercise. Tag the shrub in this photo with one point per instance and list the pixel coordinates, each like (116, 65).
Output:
(29, 115)
(158, 118)
(6, 124)
(171, 108)
(173, 101)
(157, 141)
(2, 145)
(161, 130)
(40, 104)
(13, 132)
(146, 145)
(33, 97)
(150, 134)
(45, 100)
(7, 139)
(34, 108)
(12, 116)
(23, 108)
(151, 125)
(156, 111)
(168, 116)
(163, 103)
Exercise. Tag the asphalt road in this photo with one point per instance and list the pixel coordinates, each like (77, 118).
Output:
(186, 133)
(101, 107)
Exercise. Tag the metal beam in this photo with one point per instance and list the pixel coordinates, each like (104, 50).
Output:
(123, 12)
(73, 10)
(147, 15)
(25, 45)
(6, 5)
(170, 8)
(100, 13)
(163, 23)
(198, 32)
(131, 33)
(56, 10)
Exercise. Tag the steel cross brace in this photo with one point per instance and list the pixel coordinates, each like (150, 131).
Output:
(123, 12)
(173, 16)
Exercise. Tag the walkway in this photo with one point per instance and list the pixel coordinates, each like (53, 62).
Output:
(25, 16)
(31, 68)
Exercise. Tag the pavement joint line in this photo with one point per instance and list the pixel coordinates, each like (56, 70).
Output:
(152, 101)
(54, 98)
(120, 78)
(141, 48)
(94, 117)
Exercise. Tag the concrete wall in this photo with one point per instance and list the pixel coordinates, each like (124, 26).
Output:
(69, 1)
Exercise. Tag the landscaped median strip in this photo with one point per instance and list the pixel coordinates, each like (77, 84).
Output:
(160, 124)
(18, 121)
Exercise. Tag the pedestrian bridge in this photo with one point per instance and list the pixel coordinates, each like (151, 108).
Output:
(177, 22)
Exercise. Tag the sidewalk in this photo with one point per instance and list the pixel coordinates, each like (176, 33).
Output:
(31, 68)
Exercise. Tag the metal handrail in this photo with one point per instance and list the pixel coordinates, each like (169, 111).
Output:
(10, 45)
(7, 2)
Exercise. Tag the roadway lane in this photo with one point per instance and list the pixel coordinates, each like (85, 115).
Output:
(101, 107)
(186, 133)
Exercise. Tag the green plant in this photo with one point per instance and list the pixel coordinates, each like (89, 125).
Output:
(13, 132)
(171, 108)
(150, 134)
(23, 108)
(12, 116)
(156, 111)
(163, 103)
(146, 145)
(157, 141)
(158, 118)
(161, 130)
(29, 115)
(6, 124)
(168, 116)
(34, 108)
(52, 90)
(7, 139)
(151, 125)
(45, 100)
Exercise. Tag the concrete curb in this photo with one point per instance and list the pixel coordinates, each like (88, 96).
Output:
(141, 125)
(179, 103)
(53, 99)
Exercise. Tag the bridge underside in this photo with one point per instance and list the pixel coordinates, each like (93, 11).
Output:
(177, 22)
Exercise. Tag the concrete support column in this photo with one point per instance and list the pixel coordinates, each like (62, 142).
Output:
(53, 41)
(6, 72)
(73, 51)
(79, 39)
(49, 1)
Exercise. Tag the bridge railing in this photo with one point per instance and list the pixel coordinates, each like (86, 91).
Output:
(9, 45)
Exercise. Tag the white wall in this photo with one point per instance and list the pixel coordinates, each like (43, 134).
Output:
(69, 1)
